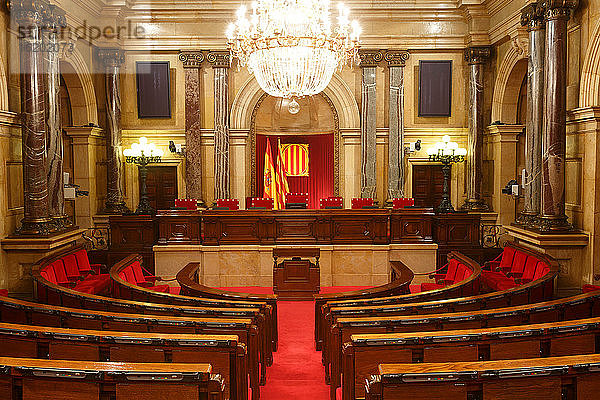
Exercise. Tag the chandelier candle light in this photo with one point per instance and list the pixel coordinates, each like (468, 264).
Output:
(447, 153)
(291, 46)
(142, 154)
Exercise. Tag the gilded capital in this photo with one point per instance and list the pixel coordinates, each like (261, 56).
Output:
(477, 55)
(559, 9)
(28, 12)
(111, 57)
(532, 16)
(219, 59)
(54, 18)
(191, 59)
(396, 58)
(370, 58)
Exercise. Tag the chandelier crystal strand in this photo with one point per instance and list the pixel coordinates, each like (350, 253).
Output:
(291, 46)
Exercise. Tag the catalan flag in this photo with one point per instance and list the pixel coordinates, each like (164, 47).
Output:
(295, 159)
(269, 176)
(281, 183)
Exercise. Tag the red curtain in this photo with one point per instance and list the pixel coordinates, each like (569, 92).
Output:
(319, 182)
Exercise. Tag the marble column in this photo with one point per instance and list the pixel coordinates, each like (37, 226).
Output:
(552, 214)
(220, 61)
(396, 61)
(36, 218)
(369, 59)
(54, 21)
(113, 59)
(192, 62)
(475, 57)
(532, 16)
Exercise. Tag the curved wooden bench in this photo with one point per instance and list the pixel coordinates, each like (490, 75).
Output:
(576, 307)
(123, 289)
(528, 379)
(363, 353)
(469, 286)
(189, 281)
(227, 356)
(24, 312)
(86, 380)
(538, 290)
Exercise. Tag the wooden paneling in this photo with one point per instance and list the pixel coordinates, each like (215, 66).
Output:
(132, 234)
(547, 388)
(456, 232)
(179, 226)
(296, 279)
(162, 187)
(43, 389)
(427, 185)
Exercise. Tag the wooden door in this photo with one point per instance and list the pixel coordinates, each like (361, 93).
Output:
(162, 187)
(427, 185)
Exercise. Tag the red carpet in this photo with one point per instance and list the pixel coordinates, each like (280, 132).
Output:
(297, 372)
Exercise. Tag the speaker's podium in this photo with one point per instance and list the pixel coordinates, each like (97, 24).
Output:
(296, 277)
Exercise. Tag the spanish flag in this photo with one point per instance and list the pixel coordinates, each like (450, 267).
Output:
(270, 191)
(281, 183)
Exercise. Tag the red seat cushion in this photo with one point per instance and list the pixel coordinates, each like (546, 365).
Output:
(83, 263)
(414, 288)
(59, 272)
(138, 274)
(452, 269)
(93, 284)
(590, 288)
(508, 255)
(48, 274)
(518, 265)
(3, 292)
(71, 269)
(496, 280)
(430, 286)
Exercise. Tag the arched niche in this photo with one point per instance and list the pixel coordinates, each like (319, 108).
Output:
(511, 73)
(317, 115)
(589, 89)
(78, 81)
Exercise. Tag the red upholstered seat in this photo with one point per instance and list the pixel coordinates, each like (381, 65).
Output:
(140, 278)
(430, 286)
(590, 288)
(48, 274)
(71, 268)
(83, 263)
(3, 292)
(93, 284)
(59, 272)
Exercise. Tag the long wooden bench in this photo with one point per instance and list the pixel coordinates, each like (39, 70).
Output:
(226, 355)
(189, 281)
(24, 312)
(541, 289)
(553, 378)
(35, 379)
(363, 353)
(576, 307)
(126, 290)
(49, 293)
(400, 278)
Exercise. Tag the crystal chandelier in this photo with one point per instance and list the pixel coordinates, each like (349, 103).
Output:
(291, 46)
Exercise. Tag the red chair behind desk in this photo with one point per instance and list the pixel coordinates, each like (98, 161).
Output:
(296, 200)
(402, 202)
(261, 203)
(332, 202)
(188, 204)
(358, 203)
(229, 204)
(590, 288)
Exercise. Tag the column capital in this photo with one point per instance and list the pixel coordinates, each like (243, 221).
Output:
(370, 57)
(111, 57)
(191, 59)
(219, 59)
(54, 18)
(28, 12)
(477, 55)
(559, 9)
(532, 16)
(396, 58)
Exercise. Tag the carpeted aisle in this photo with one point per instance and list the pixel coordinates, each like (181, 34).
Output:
(297, 372)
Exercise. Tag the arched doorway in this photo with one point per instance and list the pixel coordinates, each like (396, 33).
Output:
(315, 125)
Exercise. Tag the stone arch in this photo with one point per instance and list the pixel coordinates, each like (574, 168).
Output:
(79, 84)
(337, 91)
(589, 89)
(511, 73)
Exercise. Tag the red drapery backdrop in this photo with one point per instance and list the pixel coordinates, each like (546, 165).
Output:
(319, 182)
